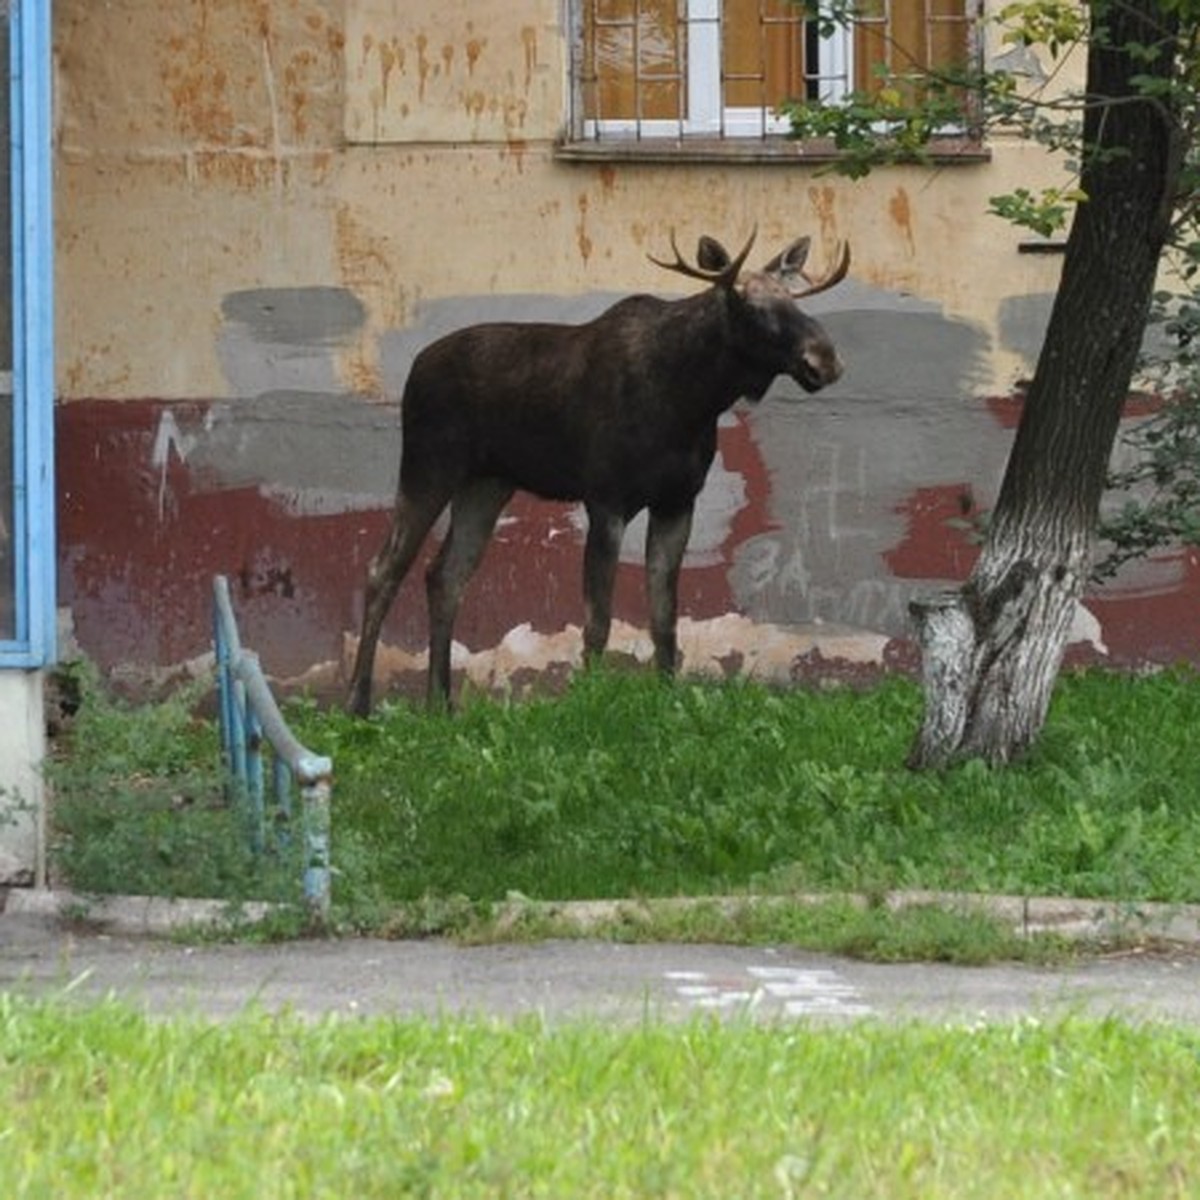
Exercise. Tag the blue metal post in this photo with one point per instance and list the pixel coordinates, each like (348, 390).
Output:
(32, 244)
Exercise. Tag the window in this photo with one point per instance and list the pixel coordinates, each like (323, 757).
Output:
(678, 68)
(26, 307)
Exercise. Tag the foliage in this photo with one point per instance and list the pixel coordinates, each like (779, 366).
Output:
(902, 115)
(1160, 485)
(139, 805)
(886, 125)
(1044, 212)
(104, 1101)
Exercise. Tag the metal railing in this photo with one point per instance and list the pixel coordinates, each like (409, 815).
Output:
(249, 719)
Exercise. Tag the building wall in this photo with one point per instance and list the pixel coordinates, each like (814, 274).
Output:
(22, 788)
(265, 210)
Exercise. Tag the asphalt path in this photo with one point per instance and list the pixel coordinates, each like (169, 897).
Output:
(41, 954)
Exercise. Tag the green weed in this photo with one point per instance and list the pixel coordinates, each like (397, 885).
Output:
(140, 804)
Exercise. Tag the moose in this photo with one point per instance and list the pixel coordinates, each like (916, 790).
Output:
(619, 413)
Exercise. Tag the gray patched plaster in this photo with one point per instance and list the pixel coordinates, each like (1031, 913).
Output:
(291, 430)
(314, 452)
(844, 462)
(1022, 328)
(276, 339)
(1021, 324)
(311, 316)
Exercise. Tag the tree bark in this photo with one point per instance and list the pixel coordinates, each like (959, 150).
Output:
(991, 651)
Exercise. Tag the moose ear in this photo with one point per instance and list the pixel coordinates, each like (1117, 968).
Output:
(711, 255)
(791, 260)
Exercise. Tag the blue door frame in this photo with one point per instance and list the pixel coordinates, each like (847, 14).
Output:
(32, 247)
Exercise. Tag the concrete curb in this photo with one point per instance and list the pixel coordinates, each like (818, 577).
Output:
(1026, 915)
(129, 915)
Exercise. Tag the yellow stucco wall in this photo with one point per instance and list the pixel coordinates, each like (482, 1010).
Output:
(405, 151)
(265, 210)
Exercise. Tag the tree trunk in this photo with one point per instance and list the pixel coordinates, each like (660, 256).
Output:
(991, 651)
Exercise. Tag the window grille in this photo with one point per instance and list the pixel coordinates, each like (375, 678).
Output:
(722, 68)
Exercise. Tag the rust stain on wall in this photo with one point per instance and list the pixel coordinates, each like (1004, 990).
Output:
(824, 201)
(238, 76)
(478, 74)
(424, 66)
(365, 268)
(391, 58)
(474, 50)
(516, 150)
(242, 171)
(197, 84)
(529, 39)
(581, 233)
(900, 210)
(361, 256)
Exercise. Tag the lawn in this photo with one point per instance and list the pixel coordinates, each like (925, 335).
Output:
(102, 1101)
(627, 786)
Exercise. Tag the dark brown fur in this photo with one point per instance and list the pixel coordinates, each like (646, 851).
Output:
(619, 413)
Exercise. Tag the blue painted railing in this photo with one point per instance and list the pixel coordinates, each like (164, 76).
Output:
(250, 719)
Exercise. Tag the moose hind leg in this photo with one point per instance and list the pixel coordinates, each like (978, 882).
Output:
(666, 539)
(473, 514)
(601, 553)
(410, 524)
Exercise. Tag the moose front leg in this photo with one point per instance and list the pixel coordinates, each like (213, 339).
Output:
(666, 539)
(600, 556)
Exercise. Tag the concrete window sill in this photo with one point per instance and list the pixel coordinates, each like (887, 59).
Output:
(757, 151)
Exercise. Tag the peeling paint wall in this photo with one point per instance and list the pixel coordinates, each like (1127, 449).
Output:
(486, 71)
(266, 209)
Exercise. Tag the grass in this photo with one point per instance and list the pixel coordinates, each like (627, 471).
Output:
(950, 933)
(102, 1101)
(630, 787)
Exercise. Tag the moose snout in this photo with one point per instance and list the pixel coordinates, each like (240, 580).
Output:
(819, 367)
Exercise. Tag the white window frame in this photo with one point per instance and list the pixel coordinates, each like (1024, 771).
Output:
(706, 114)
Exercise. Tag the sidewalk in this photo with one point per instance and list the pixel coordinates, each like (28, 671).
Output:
(121, 952)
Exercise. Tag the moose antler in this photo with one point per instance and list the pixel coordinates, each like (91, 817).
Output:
(725, 276)
(836, 275)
